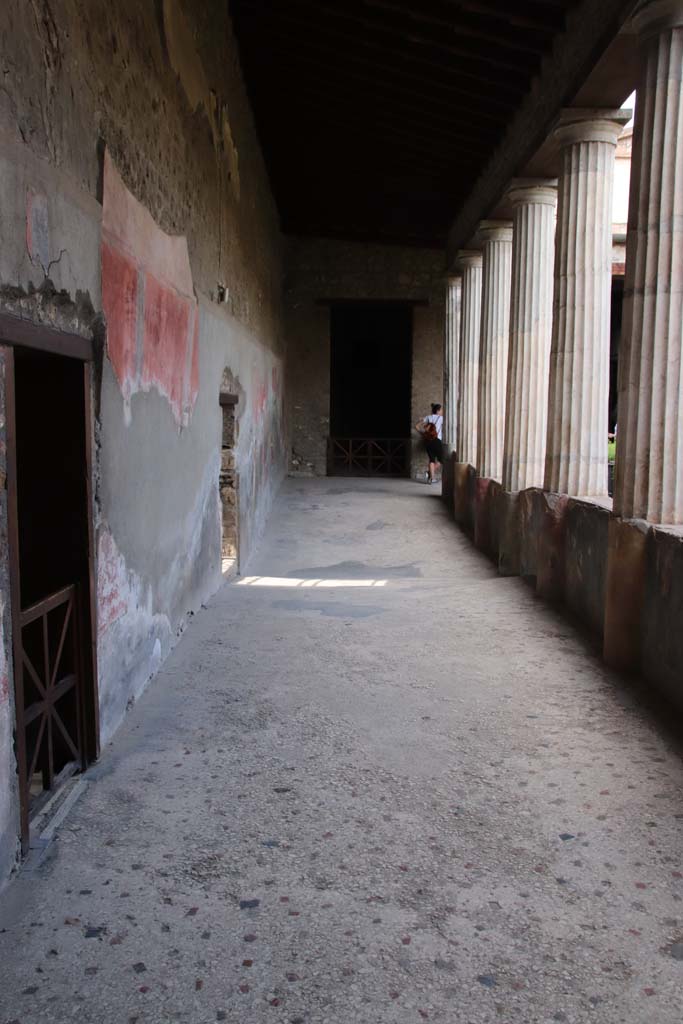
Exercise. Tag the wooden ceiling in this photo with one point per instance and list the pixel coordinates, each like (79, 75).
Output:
(377, 116)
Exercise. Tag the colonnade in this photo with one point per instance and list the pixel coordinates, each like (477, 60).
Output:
(528, 318)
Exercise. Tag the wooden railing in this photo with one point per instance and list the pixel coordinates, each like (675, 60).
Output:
(368, 456)
(51, 712)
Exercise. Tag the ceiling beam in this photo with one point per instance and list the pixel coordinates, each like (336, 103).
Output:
(441, 126)
(361, 71)
(397, 33)
(459, 27)
(590, 29)
(435, 90)
(539, 21)
(382, 133)
(513, 81)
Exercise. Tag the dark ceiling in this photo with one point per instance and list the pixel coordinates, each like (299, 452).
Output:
(377, 116)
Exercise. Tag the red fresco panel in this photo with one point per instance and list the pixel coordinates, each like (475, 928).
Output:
(111, 583)
(164, 359)
(120, 301)
(194, 370)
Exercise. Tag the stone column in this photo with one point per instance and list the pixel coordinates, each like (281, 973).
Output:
(452, 346)
(531, 322)
(469, 262)
(496, 237)
(649, 461)
(576, 451)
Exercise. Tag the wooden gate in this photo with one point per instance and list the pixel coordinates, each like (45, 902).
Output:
(51, 716)
(368, 456)
(53, 636)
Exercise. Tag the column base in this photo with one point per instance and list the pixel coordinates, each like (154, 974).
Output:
(447, 479)
(585, 560)
(510, 533)
(550, 567)
(624, 591)
(463, 494)
(661, 624)
(487, 492)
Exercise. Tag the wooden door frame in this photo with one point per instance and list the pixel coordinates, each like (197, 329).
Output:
(15, 332)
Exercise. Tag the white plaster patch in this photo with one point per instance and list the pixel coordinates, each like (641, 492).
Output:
(133, 639)
(156, 655)
(131, 636)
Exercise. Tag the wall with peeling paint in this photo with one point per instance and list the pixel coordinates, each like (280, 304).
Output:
(321, 269)
(8, 793)
(136, 210)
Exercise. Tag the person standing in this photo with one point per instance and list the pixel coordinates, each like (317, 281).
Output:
(431, 428)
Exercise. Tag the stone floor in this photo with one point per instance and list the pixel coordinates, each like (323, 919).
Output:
(407, 792)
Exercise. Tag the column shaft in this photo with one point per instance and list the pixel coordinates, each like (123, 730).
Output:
(452, 347)
(469, 262)
(493, 353)
(649, 469)
(576, 453)
(531, 319)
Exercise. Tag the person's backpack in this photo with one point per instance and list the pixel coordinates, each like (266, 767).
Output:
(430, 433)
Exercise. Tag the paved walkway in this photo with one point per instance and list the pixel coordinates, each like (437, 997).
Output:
(420, 799)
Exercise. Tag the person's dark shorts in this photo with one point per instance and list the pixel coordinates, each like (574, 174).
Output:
(434, 450)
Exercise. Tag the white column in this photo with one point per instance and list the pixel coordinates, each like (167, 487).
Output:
(576, 453)
(496, 238)
(531, 324)
(649, 465)
(452, 346)
(469, 262)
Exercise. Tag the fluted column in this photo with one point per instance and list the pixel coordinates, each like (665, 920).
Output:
(496, 237)
(531, 323)
(452, 346)
(576, 452)
(469, 263)
(649, 462)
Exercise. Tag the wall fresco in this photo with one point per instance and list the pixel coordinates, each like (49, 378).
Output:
(148, 299)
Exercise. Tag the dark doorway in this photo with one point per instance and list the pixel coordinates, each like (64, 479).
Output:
(370, 389)
(615, 342)
(51, 555)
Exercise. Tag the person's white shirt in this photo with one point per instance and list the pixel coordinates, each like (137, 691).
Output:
(437, 420)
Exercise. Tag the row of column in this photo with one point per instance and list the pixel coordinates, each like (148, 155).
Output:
(529, 312)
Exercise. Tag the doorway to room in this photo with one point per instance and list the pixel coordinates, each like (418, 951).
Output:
(52, 570)
(370, 389)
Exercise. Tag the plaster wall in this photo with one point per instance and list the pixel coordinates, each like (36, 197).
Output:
(8, 793)
(320, 269)
(182, 300)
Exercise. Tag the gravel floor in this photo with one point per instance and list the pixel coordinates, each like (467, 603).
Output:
(374, 783)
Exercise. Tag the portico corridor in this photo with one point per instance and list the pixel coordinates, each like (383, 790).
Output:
(375, 782)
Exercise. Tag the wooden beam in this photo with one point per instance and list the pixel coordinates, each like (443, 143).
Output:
(369, 41)
(404, 34)
(590, 29)
(375, 75)
(456, 119)
(17, 331)
(539, 21)
(329, 105)
(459, 27)
(305, 49)
(372, 302)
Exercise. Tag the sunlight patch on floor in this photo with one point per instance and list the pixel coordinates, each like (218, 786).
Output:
(284, 581)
